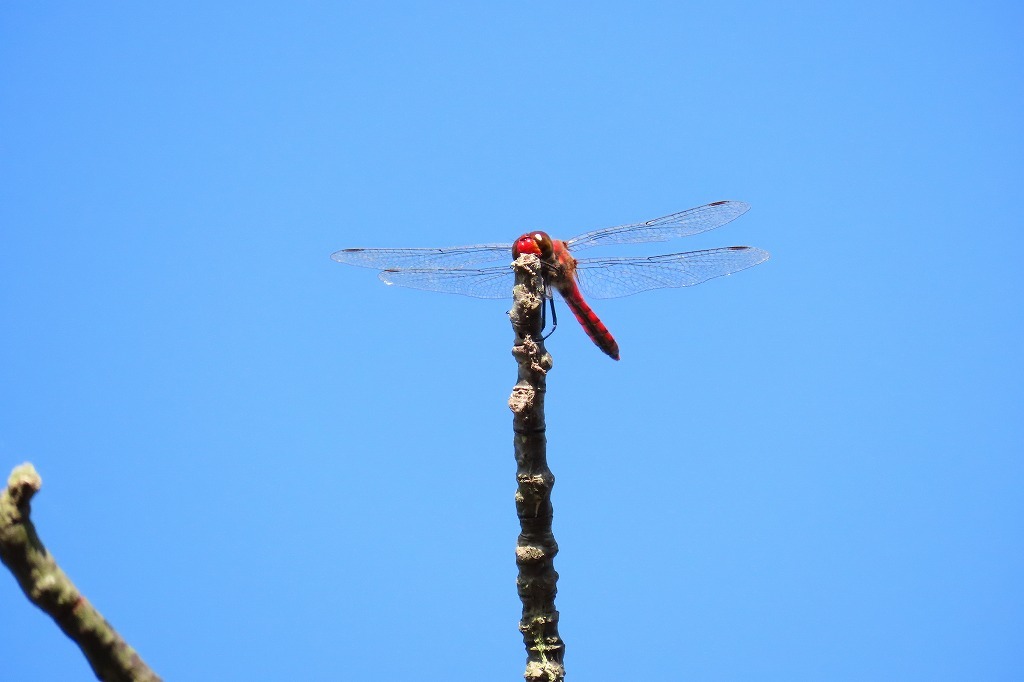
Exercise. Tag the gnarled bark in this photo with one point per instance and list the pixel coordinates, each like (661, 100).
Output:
(536, 547)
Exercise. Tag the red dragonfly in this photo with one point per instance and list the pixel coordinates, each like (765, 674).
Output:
(455, 270)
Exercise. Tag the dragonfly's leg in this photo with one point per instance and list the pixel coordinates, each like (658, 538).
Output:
(554, 318)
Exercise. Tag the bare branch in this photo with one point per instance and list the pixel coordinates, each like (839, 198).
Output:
(46, 586)
(536, 547)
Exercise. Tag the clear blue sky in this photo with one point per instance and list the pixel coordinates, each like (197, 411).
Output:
(262, 465)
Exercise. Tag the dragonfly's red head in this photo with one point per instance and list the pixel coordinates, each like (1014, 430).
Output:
(537, 243)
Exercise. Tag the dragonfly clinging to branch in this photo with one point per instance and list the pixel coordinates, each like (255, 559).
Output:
(461, 269)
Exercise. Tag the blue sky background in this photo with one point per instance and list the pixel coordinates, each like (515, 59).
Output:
(262, 465)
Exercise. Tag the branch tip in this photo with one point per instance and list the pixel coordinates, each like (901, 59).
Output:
(23, 483)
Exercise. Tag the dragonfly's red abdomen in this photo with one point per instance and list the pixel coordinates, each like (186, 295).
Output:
(590, 322)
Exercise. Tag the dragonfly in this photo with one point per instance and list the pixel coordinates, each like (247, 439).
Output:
(463, 270)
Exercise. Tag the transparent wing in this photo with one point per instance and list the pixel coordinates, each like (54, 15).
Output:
(453, 257)
(495, 282)
(692, 221)
(615, 277)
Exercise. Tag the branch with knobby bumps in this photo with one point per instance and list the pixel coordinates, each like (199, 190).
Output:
(536, 547)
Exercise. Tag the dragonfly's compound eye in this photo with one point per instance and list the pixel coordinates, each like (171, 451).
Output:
(537, 243)
(543, 242)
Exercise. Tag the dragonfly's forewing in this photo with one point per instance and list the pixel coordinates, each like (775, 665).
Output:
(495, 282)
(682, 224)
(615, 277)
(453, 257)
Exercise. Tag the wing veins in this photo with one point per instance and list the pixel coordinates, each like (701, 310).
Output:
(492, 282)
(617, 277)
(421, 258)
(682, 224)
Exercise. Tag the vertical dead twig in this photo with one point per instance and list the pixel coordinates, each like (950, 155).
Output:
(536, 547)
(47, 586)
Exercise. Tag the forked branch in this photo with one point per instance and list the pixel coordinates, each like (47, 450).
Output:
(536, 547)
(46, 586)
